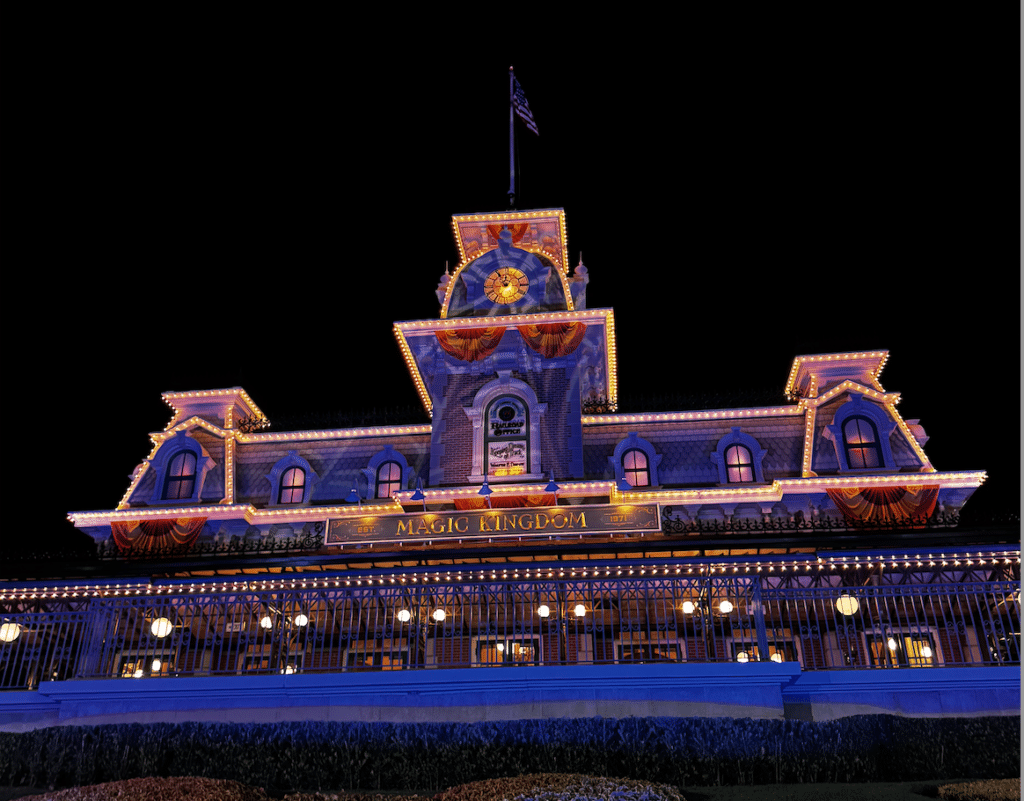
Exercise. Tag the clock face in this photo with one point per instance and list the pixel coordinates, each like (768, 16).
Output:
(506, 285)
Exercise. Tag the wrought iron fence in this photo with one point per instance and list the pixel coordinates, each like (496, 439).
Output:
(509, 622)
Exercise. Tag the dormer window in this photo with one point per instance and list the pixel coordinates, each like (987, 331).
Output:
(388, 472)
(293, 486)
(739, 466)
(635, 468)
(860, 438)
(292, 481)
(860, 433)
(635, 461)
(181, 477)
(389, 480)
(739, 458)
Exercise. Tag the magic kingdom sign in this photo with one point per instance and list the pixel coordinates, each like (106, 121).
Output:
(497, 523)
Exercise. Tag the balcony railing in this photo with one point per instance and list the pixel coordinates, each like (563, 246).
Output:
(508, 623)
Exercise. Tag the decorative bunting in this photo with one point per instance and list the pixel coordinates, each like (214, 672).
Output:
(552, 340)
(505, 502)
(471, 344)
(155, 535)
(886, 504)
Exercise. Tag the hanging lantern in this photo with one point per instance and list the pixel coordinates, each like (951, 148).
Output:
(404, 615)
(688, 607)
(439, 615)
(725, 607)
(580, 610)
(543, 610)
(161, 627)
(847, 604)
(267, 622)
(301, 620)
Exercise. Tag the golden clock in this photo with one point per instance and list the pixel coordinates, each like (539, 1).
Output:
(506, 285)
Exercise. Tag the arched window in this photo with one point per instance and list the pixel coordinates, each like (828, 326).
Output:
(635, 461)
(293, 486)
(292, 481)
(860, 433)
(506, 439)
(860, 438)
(635, 468)
(181, 477)
(389, 479)
(739, 458)
(739, 466)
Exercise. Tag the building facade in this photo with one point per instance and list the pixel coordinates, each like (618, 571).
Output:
(801, 559)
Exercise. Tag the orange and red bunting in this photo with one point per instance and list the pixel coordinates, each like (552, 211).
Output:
(886, 504)
(471, 344)
(504, 502)
(552, 340)
(155, 535)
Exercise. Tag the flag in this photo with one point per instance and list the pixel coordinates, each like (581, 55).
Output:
(522, 108)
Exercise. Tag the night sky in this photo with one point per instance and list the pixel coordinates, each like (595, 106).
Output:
(255, 203)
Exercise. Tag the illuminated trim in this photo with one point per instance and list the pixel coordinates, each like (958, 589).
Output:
(335, 433)
(235, 393)
(771, 492)
(765, 563)
(678, 417)
(801, 486)
(888, 398)
(600, 316)
(800, 361)
(510, 218)
(513, 217)
(246, 512)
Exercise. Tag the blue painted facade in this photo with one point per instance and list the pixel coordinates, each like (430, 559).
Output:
(769, 524)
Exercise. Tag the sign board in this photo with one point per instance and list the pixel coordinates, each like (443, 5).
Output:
(496, 523)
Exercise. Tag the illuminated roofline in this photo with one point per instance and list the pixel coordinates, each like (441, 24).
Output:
(605, 316)
(336, 433)
(235, 393)
(766, 563)
(679, 417)
(797, 486)
(799, 361)
(971, 479)
(510, 217)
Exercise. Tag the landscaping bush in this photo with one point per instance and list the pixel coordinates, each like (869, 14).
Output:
(432, 756)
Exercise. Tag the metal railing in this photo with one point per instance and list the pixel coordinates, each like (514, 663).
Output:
(511, 622)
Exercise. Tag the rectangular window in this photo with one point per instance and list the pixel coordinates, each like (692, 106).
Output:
(902, 649)
(508, 651)
(136, 665)
(647, 653)
(363, 658)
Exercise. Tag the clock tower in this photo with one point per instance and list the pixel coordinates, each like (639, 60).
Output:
(506, 370)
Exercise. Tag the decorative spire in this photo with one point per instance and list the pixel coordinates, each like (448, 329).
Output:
(442, 285)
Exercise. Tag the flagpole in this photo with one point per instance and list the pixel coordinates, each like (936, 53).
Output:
(511, 141)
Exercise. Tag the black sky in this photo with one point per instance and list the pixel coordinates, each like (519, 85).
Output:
(254, 202)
